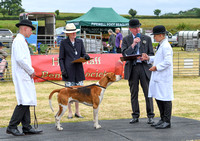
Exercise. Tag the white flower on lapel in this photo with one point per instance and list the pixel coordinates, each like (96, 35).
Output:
(144, 41)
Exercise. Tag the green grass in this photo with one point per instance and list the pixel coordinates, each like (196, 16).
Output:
(115, 105)
(172, 25)
(70, 14)
(116, 100)
(9, 24)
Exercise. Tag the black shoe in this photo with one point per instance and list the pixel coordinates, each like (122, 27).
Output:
(78, 116)
(163, 125)
(134, 120)
(158, 123)
(150, 121)
(14, 132)
(31, 131)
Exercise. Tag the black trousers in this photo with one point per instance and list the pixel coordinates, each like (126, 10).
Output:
(119, 50)
(21, 114)
(138, 75)
(165, 108)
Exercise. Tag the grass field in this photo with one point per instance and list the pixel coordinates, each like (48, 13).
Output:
(115, 105)
(172, 25)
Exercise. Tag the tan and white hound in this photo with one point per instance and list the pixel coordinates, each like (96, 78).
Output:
(90, 95)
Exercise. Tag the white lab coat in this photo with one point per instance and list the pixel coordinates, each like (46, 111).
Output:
(161, 82)
(21, 71)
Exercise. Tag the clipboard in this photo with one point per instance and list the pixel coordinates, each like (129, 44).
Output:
(81, 60)
(130, 57)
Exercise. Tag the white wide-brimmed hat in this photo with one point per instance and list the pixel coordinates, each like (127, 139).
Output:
(70, 28)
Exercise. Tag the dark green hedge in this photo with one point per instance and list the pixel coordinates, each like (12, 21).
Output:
(9, 18)
(160, 17)
(66, 18)
(125, 16)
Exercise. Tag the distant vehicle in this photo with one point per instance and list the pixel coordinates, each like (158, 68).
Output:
(183, 36)
(60, 35)
(6, 37)
(125, 31)
(149, 33)
(173, 39)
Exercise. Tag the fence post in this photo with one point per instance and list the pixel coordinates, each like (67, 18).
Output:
(178, 63)
(101, 42)
(199, 64)
(95, 42)
(85, 41)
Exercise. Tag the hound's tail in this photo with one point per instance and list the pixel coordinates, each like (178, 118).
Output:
(50, 96)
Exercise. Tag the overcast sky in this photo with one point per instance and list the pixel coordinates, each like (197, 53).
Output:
(143, 7)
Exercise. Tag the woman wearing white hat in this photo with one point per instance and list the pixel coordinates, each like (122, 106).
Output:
(72, 73)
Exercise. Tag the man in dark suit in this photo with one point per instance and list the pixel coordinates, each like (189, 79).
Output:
(137, 70)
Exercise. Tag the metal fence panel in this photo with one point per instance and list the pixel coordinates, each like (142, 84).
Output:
(186, 64)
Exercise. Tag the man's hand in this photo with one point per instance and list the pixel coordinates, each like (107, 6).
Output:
(153, 68)
(135, 41)
(144, 57)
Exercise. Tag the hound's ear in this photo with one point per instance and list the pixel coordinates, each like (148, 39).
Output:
(108, 75)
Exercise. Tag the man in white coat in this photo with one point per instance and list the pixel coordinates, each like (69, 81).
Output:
(22, 73)
(161, 82)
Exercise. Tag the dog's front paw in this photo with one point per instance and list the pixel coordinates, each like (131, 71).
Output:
(97, 126)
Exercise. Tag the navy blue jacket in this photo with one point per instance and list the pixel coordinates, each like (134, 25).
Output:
(67, 54)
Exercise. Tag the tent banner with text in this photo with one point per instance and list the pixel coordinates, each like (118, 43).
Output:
(47, 66)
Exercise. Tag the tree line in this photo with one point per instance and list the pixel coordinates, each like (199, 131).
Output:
(157, 12)
(14, 8)
(11, 7)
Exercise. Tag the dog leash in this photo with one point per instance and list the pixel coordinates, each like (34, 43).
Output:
(68, 86)
(53, 82)
(35, 120)
(35, 117)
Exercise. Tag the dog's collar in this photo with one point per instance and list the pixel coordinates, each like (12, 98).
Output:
(92, 85)
(97, 84)
(100, 86)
